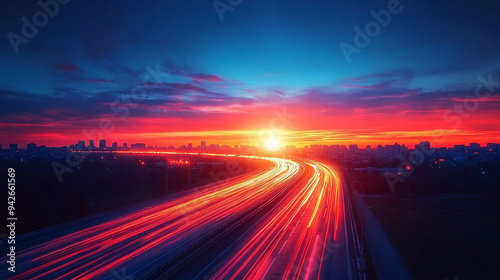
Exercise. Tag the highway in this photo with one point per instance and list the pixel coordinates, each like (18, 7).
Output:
(305, 235)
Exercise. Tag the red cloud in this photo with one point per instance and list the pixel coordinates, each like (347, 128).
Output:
(66, 67)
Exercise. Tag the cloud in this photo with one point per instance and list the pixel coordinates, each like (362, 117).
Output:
(204, 77)
(197, 77)
(184, 88)
(101, 81)
(177, 68)
(68, 67)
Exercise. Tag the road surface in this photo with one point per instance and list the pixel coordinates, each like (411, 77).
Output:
(304, 236)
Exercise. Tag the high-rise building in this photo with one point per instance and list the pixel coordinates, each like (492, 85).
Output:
(190, 146)
(424, 146)
(31, 147)
(397, 150)
(203, 145)
(80, 146)
(91, 145)
(102, 144)
(125, 145)
(114, 145)
(13, 146)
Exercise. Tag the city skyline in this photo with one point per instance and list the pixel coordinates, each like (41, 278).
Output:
(204, 145)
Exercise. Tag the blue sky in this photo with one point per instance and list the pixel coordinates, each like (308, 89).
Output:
(95, 49)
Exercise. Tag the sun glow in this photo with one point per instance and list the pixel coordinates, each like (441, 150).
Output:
(273, 144)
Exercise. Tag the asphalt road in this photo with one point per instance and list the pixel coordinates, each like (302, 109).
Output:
(304, 234)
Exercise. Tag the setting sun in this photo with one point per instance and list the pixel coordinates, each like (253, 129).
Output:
(273, 144)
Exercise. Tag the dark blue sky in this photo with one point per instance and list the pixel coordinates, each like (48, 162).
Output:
(92, 52)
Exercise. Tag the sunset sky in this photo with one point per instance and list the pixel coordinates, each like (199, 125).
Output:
(267, 69)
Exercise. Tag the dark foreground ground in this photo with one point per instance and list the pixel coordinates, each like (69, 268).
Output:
(444, 236)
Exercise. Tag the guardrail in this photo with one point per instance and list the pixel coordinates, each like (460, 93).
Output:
(386, 259)
(357, 260)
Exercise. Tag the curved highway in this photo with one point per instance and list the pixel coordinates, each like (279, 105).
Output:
(304, 236)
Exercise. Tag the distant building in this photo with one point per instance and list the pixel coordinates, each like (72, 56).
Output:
(424, 146)
(91, 145)
(125, 145)
(203, 145)
(102, 144)
(493, 147)
(474, 146)
(316, 147)
(138, 146)
(214, 147)
(31, 147)
(114, 146)
(80, 146)
(13, 146)
(336, 148)
(190, 146)
(397, 150)
(353, 148)
(459, 148)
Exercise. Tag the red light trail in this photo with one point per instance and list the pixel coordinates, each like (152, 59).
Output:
(285, 244)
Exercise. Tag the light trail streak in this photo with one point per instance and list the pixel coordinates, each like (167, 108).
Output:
(304, 238)
(289, 243)
(136, 239)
